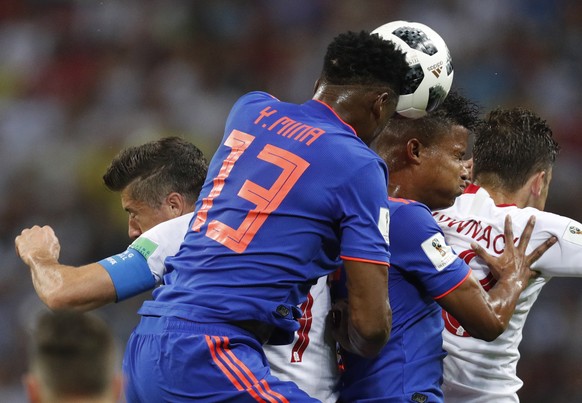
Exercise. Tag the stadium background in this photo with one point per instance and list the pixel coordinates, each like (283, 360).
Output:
(79, 80)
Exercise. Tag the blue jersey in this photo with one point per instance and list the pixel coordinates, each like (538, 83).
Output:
(289, 193)
(423, 269)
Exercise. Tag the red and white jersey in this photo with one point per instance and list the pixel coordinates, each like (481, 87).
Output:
(479, 371)
(310, 361)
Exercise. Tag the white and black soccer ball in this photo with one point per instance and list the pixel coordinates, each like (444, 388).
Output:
(430, 74)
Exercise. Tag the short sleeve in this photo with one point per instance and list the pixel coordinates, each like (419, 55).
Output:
(423, 251)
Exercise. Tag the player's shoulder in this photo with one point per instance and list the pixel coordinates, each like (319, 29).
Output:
(410, 215)
(254, 97)
(552, 223)
(406, 206)
(175, 227)
(258, 95)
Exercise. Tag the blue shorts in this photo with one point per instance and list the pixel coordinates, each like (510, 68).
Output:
(174, 360)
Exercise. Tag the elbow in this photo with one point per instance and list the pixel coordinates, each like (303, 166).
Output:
(58, 300)
(375, 343)
(370, 336)
(55, 303)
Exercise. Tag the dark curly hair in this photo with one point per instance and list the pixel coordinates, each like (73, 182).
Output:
(157, 168)
(364, 59)
(512, 145)
(431, 128)
(460, 110)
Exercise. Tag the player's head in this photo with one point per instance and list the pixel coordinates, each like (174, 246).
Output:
(158, 180)
(362, 78)
(425, 156)
(515, 150)
(72, 358)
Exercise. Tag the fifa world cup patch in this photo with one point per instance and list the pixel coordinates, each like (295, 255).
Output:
(144, 246)
(384, 223)
(438, 252)
(573, 233)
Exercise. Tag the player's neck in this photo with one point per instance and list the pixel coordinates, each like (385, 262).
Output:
(502, 196)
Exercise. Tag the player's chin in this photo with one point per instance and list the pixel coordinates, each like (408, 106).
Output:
(462, 186)
(456, 193)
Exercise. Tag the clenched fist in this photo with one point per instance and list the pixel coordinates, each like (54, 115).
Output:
(37, 244)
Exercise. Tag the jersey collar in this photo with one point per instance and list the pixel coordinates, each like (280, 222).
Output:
(473, 189)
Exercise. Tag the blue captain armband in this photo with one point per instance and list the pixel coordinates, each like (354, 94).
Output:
(129, 272)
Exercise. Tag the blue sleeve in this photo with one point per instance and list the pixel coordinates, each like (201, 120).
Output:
(419, 248)
(364, 203)
(130, 273)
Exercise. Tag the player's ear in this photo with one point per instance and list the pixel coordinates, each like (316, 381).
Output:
(177, 203)
(382, 102)
(538, 182)
(413, 147)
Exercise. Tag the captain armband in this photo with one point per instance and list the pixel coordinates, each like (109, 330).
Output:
(129, 272)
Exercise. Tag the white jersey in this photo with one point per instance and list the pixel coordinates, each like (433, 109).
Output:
(167, 238)
(310, 361)
(480, 371)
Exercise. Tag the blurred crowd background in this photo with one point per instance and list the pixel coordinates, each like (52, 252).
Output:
(79, 80)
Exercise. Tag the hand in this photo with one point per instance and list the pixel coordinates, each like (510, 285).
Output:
(37, 243)
(338, 322)
(513, 264)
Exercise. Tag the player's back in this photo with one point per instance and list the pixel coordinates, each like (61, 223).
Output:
(422, 268)
(475, 370)
(288, 182)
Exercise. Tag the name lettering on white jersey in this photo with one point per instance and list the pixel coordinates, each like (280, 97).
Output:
(573, 233)
(384, 223)
(438, 252)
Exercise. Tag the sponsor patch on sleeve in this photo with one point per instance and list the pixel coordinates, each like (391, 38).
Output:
(438, 252)
(573, 232)
(144, 246)
(384, 223)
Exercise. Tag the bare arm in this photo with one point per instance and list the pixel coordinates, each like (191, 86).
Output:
(362, 325)
(485, 315)
(61, 286)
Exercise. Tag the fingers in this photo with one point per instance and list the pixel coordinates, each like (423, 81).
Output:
(34, 238)
(508, 229)
(526, 234)
(335, 318)
(540, 250)
(479, 251)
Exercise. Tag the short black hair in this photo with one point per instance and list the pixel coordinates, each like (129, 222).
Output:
(73, 353)
(456, 109)
(157, 168)
(364, 59)
(460, 110)
(512, 145)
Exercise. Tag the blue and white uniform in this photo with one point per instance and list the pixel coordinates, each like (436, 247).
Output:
(423, 269)
(142, 266)
(310, 361)
(290, 193)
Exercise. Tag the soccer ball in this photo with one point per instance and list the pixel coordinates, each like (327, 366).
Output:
(430, 73)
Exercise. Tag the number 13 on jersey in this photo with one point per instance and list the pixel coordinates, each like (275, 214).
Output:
(265, 200)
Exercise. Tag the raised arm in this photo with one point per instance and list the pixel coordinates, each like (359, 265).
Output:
(485, 315)
(61, 286)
